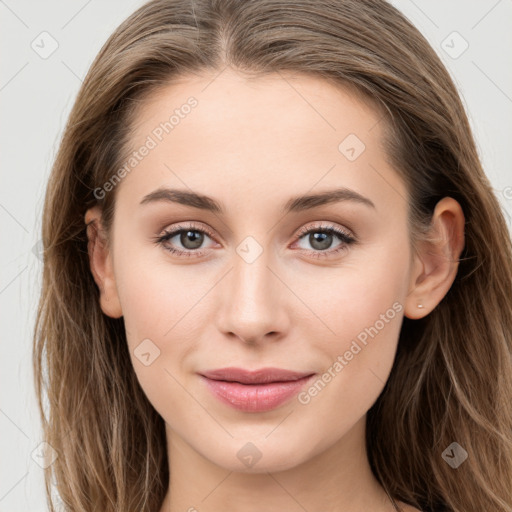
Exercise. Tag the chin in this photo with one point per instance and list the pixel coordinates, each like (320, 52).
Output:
(260, 457)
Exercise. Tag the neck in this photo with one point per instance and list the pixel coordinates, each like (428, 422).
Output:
(337, 479)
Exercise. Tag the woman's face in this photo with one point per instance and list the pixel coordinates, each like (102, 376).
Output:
(260, 281)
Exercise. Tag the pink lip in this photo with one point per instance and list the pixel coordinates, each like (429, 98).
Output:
(254, 391)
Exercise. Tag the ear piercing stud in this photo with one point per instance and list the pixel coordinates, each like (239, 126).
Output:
(420, 306)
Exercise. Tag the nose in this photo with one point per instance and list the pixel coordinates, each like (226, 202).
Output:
(252, 301)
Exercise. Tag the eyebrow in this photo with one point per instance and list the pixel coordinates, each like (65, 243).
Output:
(295, 204)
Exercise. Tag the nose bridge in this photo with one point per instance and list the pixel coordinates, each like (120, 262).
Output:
(251, 278)
(251, 305)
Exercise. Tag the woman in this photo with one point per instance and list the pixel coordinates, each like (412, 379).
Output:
(275, 273)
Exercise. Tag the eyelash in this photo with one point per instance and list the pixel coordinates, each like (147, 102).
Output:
(345, 238)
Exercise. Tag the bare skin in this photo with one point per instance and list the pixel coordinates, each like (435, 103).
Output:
(252, 145)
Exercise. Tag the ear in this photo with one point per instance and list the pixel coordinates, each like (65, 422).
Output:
(100, 260)
(437, 259)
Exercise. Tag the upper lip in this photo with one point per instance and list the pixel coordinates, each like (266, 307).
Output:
(260, 376)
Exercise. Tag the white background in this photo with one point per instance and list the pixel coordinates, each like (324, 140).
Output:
(36, 96)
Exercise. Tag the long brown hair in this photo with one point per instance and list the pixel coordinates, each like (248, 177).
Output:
(452, 377)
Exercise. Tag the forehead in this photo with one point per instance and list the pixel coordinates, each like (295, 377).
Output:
(260, 134)
(251, 102)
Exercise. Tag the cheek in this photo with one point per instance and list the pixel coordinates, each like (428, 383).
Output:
(363, 308)
(354, 296)
(150, 291)
(144, 308)
(161, 309)
(160, 334)
(357, 363)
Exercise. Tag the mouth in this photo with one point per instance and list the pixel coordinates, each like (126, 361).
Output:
(255, 391)
(261, 376)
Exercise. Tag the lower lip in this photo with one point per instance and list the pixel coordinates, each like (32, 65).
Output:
(255, 397)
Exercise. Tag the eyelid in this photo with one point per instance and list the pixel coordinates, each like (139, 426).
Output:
(324, 226)
(344, 234)
(320, 225)
(187, 226)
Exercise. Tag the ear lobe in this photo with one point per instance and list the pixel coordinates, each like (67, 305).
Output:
(437, 260)
(100, 261)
